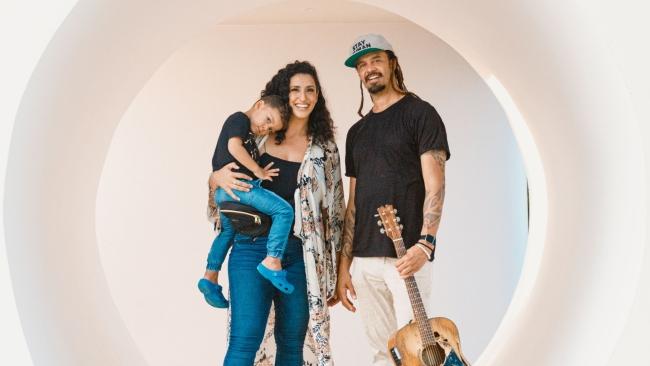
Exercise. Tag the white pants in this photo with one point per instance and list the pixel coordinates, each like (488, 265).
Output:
(383, 302)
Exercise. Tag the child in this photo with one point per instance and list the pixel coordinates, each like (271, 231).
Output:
(237, 143)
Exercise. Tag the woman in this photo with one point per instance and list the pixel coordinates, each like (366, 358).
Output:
(310, 179)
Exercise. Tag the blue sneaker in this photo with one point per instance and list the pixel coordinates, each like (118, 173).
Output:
(277, 278)
(212, 293)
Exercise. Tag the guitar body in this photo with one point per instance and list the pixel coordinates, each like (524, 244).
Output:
(424, 341)
(406, 349)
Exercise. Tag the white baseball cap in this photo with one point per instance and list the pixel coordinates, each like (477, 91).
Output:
(366, 44)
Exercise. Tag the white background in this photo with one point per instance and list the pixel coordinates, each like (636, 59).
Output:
(27, 26)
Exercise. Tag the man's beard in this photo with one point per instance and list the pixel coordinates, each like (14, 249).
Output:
(374, 89)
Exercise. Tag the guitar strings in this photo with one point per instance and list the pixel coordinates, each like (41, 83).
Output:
(430, 356)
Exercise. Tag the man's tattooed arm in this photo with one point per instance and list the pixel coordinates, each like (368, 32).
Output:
(348, 231)
(433, 171)
(348, 226)
(344, 287)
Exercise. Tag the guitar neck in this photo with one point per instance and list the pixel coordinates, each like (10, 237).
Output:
(419, 312)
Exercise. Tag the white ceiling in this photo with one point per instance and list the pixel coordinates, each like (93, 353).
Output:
(314, 11)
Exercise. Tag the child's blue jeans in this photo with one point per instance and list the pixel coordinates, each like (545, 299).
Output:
(264, 201)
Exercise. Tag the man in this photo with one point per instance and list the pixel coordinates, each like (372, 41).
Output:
(394, 155)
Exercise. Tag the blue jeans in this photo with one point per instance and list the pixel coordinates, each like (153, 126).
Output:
(264, 201)
(251, 296)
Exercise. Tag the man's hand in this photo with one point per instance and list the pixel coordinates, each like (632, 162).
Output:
(343, 286)
(411, 262)
(333, 300)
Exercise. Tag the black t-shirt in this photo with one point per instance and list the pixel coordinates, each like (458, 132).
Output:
(383, 154)
(237, 125)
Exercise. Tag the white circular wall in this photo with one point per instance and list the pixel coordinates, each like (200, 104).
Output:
(151, 195)
(569, 94)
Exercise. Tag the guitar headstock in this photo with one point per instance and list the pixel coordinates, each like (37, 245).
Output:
(389, 221)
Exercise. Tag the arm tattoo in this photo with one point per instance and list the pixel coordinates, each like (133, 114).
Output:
(434, 199)
(348, 232)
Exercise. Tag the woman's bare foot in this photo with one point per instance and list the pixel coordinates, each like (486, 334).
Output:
(272, 263)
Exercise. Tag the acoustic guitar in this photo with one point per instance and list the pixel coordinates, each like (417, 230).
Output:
(424, 341)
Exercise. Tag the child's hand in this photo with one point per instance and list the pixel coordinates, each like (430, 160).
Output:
(267, 173)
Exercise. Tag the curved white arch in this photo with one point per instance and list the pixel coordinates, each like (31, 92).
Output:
(565, 85)
(538, 200)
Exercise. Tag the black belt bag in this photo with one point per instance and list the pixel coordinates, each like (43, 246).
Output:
(245, 219)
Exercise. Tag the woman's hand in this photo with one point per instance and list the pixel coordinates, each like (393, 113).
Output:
(228, 180)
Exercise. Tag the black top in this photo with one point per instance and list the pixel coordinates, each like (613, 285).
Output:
(383, 154)
(237, 125)
(285, 184)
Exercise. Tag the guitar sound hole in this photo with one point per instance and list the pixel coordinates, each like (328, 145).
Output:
(432, 355)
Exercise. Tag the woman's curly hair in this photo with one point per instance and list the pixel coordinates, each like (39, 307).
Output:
(320, 126)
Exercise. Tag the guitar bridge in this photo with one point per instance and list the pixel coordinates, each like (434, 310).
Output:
(397, 358)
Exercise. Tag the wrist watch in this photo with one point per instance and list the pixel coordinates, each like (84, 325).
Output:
(431, 239)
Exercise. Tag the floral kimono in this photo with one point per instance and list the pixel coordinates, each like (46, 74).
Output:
(319, 210)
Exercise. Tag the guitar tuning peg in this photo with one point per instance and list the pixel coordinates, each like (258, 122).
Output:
(378, 222)
(397, 219)
(401, 227)
(376, 215)
(394, 210)
(382, 231)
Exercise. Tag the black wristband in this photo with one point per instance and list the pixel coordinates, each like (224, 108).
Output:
(433, 254)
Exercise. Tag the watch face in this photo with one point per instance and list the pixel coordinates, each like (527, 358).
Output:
(429, 238)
